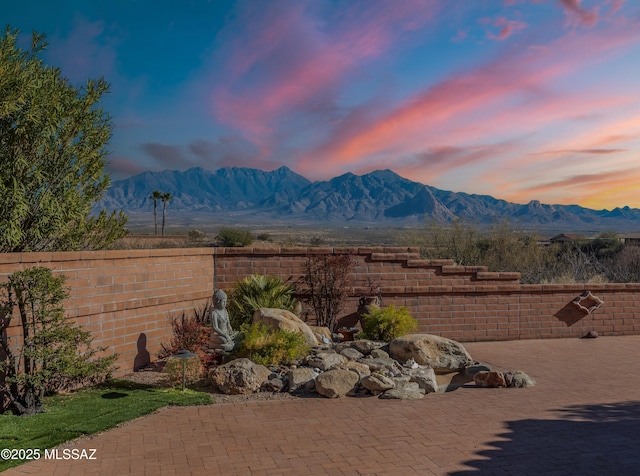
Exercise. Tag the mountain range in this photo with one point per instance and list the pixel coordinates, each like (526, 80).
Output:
(380, 197)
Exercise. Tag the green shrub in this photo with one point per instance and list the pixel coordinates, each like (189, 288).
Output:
(51, 353)
(232, 237)
(266, 346)
(387, 323)
(256, 291)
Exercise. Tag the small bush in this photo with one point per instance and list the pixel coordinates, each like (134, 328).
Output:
(387, 323)
(232, 237)
(190, 333)
(195, 237)
(265, 346)
(256, 291)
(264, 237)
(326, 283)
(193, 370)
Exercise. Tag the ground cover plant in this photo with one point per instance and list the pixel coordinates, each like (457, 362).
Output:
(87, 412)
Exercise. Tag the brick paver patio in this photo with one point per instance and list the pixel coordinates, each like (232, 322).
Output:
(583, 418)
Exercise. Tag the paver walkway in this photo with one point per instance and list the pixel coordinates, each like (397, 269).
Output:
(583, 418)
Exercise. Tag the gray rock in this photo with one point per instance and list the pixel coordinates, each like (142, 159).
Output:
(379, 354)
(340, 346)
(300, 377)
(443, 355)
(408, 391)
(518, 379)
(240, 376)
(381, 364)
(352, 354)
(325, 360)
(361, 369)
(425, 377)
(366, 346)
(274, 384)
(377, 383)
(336, 383)
(473, 369)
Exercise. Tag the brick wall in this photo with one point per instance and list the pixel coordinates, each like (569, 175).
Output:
(462, 303)
(125, 298)
(122, 295)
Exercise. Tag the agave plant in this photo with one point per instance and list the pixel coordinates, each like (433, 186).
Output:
(256, 291)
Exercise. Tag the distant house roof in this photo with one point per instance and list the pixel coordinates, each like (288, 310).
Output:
(565, 237)
(630, 237)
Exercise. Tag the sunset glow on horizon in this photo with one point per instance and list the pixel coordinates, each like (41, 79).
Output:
(519, 99)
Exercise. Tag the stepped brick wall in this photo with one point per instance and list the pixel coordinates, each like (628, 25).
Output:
(126, 298)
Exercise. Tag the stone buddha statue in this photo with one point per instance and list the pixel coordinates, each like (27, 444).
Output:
(223, 334)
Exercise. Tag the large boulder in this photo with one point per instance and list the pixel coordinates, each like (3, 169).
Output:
(283, 319)
(240, 376)
(336, 383)
(441, 354)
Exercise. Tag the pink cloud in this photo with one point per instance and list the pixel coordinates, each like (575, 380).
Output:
(462, 107)
(300, 61)
(121, 167)
(507, 28)
(579, 15)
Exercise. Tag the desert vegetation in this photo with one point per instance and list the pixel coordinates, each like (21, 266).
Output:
(502, 247)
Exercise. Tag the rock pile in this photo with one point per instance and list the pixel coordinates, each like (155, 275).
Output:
(408, 368)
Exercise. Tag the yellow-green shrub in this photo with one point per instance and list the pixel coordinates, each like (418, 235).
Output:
(266, 346)
(387, 323)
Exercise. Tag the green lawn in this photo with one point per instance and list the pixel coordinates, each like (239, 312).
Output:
(87, 412)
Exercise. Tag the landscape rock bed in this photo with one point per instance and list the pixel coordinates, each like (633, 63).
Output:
(368, 368)
(360, 368)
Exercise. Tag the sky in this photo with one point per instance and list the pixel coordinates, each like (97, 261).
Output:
(518, 99)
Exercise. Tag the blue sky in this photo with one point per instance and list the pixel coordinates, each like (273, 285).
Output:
(519, 99)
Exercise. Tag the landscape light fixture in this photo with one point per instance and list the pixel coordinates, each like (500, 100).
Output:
(184, 355)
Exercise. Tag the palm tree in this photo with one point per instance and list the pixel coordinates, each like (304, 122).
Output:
(166, 198)
(155, 196)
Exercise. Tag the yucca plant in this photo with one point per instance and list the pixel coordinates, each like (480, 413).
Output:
(256, 291)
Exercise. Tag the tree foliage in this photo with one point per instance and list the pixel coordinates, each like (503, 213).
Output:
(53, 139)
(51, 352)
